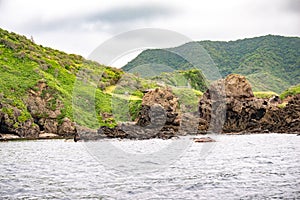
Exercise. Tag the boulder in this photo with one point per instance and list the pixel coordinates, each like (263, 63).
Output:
(50, 126)
(67, 128)
(204, 139)
(43, 135)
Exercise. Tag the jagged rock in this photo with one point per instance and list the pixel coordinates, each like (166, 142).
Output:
(112, 132)
(158, 118)
(154, 128)
(188, 124)
(229, 107)
(237, 86)
(50, 126)
(86, 134)
(67, 128)
(9, 123)
(42, 103)
(284, 120)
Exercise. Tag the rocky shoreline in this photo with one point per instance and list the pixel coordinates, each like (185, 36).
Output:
(227, 107)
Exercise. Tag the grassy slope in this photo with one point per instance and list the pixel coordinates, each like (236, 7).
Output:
(290, 91)
(183, 78)
(269, 62)
(23, 64)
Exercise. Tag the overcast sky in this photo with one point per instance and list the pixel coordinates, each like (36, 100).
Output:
(80, 26)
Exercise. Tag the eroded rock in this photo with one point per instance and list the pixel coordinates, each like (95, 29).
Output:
(230, 107)
(10, 123)
(158, 118)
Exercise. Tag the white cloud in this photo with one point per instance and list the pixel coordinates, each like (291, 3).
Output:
(80, 26)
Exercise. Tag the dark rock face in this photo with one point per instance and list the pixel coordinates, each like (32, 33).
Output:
(44, 109)
(284, 120)
(158, 118)
(229, 106)
(67, 128)
(9, 123)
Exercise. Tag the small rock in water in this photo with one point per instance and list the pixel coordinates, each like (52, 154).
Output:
(204, 139)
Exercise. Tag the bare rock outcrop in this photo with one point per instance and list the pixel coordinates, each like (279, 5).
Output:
(158, 118)
(229, 106)
(44, 115)
(283, 120)
(11, 122)
(67, 128)
(45, 108)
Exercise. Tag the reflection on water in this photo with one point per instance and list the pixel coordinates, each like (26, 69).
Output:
(245, 166)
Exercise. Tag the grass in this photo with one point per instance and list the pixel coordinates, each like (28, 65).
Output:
(188, 98)
(291, 91)
(265, 94)
(23, 64)
(192, 78)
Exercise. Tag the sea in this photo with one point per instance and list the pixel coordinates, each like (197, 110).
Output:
(253, 166)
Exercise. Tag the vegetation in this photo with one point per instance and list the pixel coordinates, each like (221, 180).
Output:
(94, 94)
(192, 78)
(271, 63)
(290, 91)
(78, 83)
(265, 95)
(188, 98)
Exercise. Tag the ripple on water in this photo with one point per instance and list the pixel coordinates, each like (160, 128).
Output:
(236, 167)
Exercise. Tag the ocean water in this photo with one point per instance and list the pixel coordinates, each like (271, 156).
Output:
(259, 166)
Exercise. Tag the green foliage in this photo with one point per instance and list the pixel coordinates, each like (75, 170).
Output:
(269, 62)
(134, 108)
(265, 95)
(157, 57)
(282, 105)
(291, 91)
(192, 78)
(23, 64)
(8, 111)
(25, 115)
(188, 98)
(266, 82)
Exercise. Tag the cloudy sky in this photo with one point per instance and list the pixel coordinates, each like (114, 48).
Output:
(80, 26)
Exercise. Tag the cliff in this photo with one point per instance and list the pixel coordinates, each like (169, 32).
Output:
(229, 106)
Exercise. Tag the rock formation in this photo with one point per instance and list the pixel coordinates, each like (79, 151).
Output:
(158, 118)
(283, 120)
(229, 106)
(9, 123)
(45, 110)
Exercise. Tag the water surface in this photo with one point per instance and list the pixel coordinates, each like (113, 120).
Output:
(236, 167)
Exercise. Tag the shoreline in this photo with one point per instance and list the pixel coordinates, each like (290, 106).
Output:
(197, 135)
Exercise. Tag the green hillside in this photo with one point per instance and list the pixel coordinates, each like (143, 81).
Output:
(32, 74)
(192, 78)
(290, 91)
(271, 63)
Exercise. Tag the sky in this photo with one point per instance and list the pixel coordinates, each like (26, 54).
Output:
(80, 26)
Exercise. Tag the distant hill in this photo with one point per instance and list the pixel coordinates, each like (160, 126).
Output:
(270, 63)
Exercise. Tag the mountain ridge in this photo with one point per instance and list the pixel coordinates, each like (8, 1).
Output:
(276, 57)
